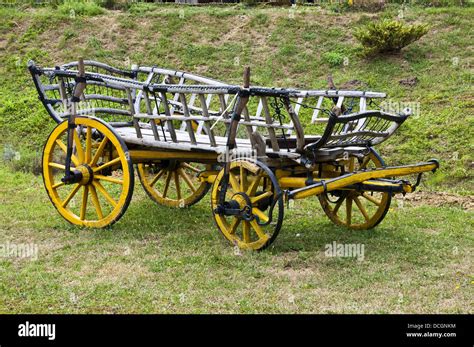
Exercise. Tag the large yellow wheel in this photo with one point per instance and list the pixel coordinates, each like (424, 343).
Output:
(173, 183)
(254, 190)
(353, 209)
(101, 158)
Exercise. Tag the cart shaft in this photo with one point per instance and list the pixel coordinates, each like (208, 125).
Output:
(354, 178)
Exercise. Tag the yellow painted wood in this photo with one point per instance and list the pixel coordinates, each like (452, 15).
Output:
(94, 188)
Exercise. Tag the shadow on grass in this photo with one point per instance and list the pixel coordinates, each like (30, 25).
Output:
(193, 229)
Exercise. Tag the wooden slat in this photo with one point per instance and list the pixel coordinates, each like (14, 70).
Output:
(169, 122)
(129, 136)
(316, 111)
(189, 123)
(340, 100)
(140, 93)
(150, 112)
(249, 128)
(206, 123)
(297, 126)
(214, 118)
(269, 120)
(132, 112)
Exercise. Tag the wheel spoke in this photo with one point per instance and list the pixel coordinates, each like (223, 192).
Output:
(187, 179)
(235, 223)
(57, 166)
(176, 183)
(262, 216)
(243, 178)
(338, 205)
(79, 150)
(109, 179)
(99, 152)
(372, 199)
(190, 167)
(71, 195)
(254, 185)
(85, 194)
(256, 199)
(109, 163)
(361, 208)
(106, 195)
(167, 183)
(261, 234)
(348, 211)
(95, 201)
(88, 144)
(64, 148)
(157, 177)
(57, 185)
(246, 232)
(233, 182)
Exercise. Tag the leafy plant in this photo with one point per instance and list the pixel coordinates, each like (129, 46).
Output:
(388, 35)
(333, 58)
(79, 8)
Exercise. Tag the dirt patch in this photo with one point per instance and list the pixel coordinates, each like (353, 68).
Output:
(440, 199)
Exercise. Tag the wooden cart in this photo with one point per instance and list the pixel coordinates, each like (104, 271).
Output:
(188, 134)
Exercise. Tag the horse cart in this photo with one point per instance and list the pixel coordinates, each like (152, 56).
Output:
(187, 134)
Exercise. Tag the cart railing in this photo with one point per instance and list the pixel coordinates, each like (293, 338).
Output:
(171, 106)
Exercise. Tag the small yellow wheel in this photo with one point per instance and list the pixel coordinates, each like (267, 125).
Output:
(254, 190)
(173, 183)
(101, 159)
(353, 209)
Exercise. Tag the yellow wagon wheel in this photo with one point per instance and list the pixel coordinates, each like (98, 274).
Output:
(173, 183)
(252, 186)
(357, 210)
(105, 188)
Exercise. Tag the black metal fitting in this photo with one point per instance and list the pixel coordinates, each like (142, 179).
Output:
(73, 177)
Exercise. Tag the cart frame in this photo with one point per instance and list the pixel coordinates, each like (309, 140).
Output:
(171, 120)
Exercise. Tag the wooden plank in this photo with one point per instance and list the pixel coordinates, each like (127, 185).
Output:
(269, 120)
(140, 93)
(213, 118)
(340, 100)
(150, 112)
(316, 111)
(297, 126)
(189, 123)
(132, 112)
(169, 122)
(206, 123)
(249, 128)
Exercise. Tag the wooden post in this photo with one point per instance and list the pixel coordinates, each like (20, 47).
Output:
(242, 100)
(78, 90)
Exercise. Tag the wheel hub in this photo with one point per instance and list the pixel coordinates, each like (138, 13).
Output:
(82, 174)
(86, 173)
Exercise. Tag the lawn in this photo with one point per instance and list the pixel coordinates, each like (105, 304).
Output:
(161, 260)
(418, 260)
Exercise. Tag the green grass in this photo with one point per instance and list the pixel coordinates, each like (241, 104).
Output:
(165, 260)
(162, 260)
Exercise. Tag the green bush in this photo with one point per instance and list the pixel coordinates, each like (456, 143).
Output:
(333, 58)
(72, 8)
(388, 35)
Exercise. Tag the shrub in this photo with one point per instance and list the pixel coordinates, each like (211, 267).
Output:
(333, 58)
(72, 8)
(388, 35)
